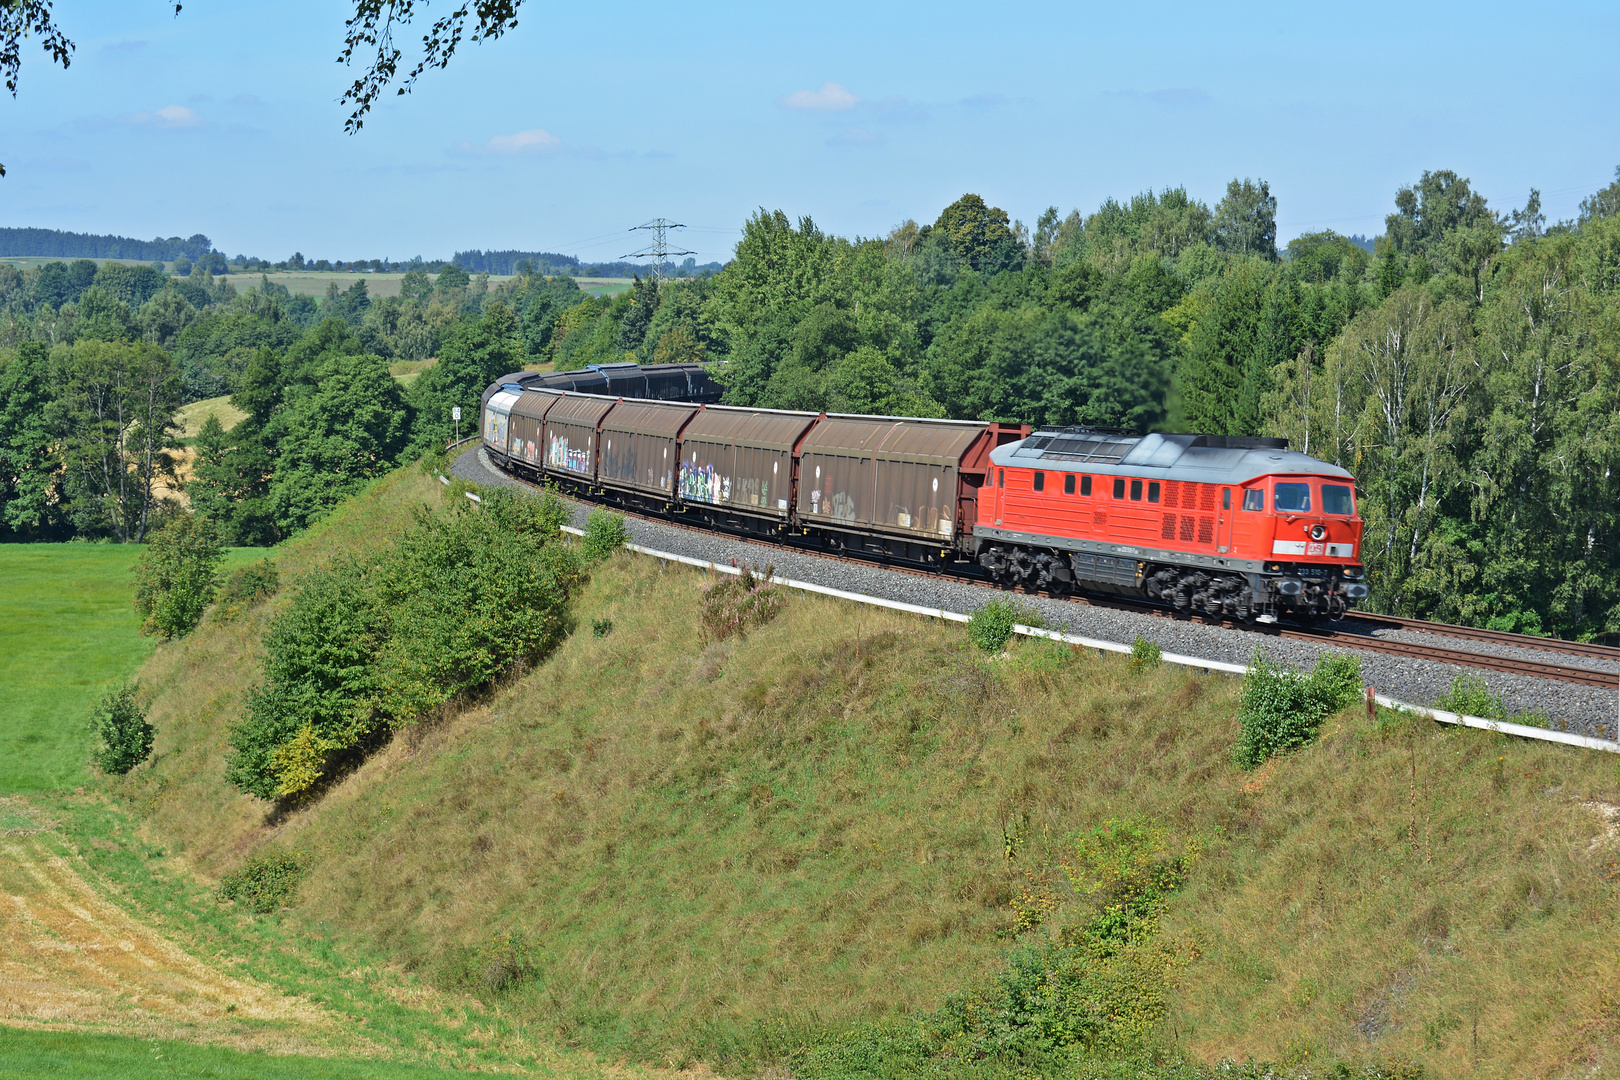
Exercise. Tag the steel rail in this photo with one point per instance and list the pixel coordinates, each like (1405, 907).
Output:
(1458, 657)
(1498, 637)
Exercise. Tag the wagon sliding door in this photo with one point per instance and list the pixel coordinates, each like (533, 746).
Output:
(742, 458)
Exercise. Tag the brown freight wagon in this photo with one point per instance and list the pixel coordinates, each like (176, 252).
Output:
(639, 447)
(526, 428)
(571, 433)
(905, 478)
(737, 466)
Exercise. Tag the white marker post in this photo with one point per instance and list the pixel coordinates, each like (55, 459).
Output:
(455, 414)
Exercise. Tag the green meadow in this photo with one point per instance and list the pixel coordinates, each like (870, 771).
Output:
(68, 630)
(25, 1055)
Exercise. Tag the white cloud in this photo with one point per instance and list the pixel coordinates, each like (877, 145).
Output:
(170, 116)
(832, 97)
(532, 141)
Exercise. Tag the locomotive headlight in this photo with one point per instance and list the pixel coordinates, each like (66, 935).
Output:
(1290, 586)
(1353, 573)
(1318, 531)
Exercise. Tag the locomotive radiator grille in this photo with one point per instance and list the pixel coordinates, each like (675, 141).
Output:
(1168, 532)
(1206, 530)
(1186, 535)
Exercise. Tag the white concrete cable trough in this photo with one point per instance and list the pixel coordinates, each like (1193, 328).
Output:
(1523, 731)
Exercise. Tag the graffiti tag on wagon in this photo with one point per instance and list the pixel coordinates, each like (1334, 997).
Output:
(703, 483)
(560, 456)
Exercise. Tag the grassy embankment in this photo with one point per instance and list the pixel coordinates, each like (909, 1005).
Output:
(680, 850)
(68, 630)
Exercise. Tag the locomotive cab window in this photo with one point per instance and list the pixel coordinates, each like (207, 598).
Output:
(1254, 499)
(1085, 485)
(1336, 499)
(1068, 484)
(1226, 498)
(1040, 481)
(1292, 499)
(1136, 491)
(1001, 478)
(1119, 489)
(1153, 491)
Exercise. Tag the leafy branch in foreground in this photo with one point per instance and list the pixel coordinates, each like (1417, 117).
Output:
(373, 26)
(29, 18)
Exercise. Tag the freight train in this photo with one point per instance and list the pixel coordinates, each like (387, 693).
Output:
(1243, 528)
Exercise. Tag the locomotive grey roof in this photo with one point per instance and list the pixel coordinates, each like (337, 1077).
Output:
(1202, 459)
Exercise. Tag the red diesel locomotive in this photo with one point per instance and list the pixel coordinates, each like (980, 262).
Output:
(1242, 527)
(1237, 527)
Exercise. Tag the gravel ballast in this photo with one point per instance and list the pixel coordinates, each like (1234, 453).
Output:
(1584, 710)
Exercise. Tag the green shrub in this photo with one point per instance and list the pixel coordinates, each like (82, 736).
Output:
(1471, 696)
(1145, 654)
(247, 587)
(1281, 709)
(991, 626)
(368, 646)
(734, 605)
(177, 575)
(320, 680)
(126, 737)
(264, 883)
(501, 962)
(605, 533)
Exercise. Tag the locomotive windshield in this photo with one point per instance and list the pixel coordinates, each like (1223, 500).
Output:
(1293, 499)
(1336, 500)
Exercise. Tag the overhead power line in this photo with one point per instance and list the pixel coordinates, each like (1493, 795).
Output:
(658, 251)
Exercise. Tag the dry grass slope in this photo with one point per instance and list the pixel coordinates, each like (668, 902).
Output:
(652, 845)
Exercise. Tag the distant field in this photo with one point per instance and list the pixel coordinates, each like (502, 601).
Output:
(315, 282)
(604, 286)
(22, 262)
(195, 415)
(67, 631)
(406, 371)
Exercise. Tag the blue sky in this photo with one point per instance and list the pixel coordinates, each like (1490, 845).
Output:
(591, 118)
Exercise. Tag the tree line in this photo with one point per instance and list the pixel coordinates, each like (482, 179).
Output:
(55, 244)
(198, 250)
(1464, 368)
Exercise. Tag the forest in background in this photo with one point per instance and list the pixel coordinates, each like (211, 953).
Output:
(1465, 369)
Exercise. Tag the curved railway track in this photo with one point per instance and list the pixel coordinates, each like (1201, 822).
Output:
(1323, 635)
(1610, 653)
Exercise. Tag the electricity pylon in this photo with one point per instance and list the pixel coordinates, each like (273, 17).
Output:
(658, 250)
